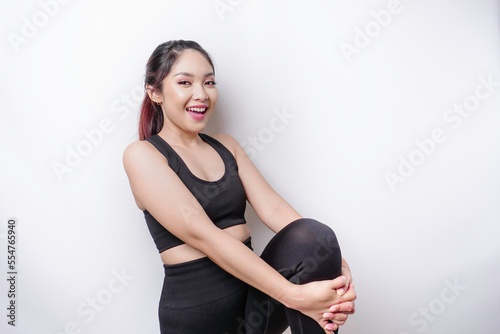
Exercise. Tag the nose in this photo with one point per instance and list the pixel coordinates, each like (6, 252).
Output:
(199, 93)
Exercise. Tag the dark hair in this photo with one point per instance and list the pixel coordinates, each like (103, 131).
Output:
(158, 67)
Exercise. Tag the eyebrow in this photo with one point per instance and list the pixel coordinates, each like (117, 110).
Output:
(191, 75)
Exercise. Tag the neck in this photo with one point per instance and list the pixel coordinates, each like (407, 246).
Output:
(179, 137)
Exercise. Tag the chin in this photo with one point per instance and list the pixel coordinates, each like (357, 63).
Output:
(198, 129)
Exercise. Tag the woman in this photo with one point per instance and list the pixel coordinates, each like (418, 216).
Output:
(193, 190)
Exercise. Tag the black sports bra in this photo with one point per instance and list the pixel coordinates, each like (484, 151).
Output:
(224, 200)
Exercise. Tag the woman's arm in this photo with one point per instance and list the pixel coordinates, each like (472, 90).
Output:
(160, 191)
(271, 208)
(276, 213)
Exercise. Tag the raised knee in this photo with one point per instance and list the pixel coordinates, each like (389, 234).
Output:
(307, 230)
(320, 249)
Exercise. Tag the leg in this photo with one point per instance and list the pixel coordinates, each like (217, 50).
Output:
(304, 251)
(200, 297)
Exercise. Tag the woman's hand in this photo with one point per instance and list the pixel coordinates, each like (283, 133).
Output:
(315, 299)
(346, 272)
(339, 313)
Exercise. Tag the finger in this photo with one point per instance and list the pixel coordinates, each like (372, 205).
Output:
(339, 282)
(348, 283)
(350, 294)
(339, 322)
(346, 272)
(330, 327)
(345, 307)
(336, 317)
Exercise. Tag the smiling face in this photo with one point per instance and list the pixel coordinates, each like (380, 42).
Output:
(188, 94)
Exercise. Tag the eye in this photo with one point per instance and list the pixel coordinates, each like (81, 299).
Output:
(210, 83)
(184, 82)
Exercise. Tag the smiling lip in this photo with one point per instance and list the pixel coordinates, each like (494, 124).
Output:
(197, 112)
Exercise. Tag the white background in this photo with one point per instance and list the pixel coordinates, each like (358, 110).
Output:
(353, 118)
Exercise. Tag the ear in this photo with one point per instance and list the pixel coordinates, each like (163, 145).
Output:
(153, 94)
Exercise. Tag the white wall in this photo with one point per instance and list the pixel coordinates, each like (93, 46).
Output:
(423, 246)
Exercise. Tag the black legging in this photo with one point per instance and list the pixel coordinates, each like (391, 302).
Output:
(200, 297)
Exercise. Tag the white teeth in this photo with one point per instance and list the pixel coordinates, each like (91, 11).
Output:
(197, 109)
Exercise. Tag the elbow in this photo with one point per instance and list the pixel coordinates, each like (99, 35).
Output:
(201, 239)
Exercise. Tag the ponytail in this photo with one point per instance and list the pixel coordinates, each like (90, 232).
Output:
(151, 118)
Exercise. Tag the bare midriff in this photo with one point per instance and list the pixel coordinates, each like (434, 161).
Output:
(185, 253)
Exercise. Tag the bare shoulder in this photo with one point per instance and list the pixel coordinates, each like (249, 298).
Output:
(234, 147)
(228, 141)
(140, 153)
(147, 169)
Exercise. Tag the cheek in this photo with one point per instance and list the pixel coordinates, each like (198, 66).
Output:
(175, 101)
(214, 95)
(172, 91)
(180, 94)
